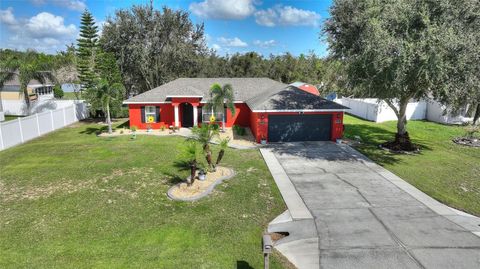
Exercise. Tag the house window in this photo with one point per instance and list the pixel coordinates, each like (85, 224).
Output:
(150, 115)
(207, 114)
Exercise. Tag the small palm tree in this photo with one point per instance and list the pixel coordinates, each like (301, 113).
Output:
(204, 135)
(219, 97)
(188, 154)
(107, 93)
(27, 67)
(223, 146)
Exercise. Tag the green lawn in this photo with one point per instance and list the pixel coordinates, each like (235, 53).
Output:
(71, 96)
(444, 170)
(73, 200)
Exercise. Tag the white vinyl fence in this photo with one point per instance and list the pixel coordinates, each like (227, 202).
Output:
(18, 131)
(19, 108)
(378, 111)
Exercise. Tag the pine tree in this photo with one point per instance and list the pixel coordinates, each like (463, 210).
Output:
(86, 50)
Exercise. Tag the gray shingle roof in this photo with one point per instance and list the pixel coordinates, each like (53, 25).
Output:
(258, 93)
(291, 98)
(244, 88)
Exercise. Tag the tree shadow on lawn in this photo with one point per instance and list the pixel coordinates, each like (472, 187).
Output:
(372, 137)
(243, 265)
(94, 130)
(174, 178)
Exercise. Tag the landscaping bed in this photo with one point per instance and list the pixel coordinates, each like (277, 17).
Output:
(71, 199)
(200, 188)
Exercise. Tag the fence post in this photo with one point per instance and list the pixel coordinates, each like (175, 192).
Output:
(74, 112)
(64, 117)
(21, 131)
(38, 123)
(1, 137)
(51, 119)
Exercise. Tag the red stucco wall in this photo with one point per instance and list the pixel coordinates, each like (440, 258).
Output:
(241, 118)
(166, 115)
(259, 123)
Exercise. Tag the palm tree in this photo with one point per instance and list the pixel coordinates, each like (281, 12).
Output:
(107, 93)
(223, 146)
(188, 157)
(27, 67)
(204, 136)
(219, 97)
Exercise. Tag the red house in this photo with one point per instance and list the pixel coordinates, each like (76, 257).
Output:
(273, 111)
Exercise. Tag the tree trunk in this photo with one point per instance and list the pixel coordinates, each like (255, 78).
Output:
(220, 156)
(27, 99)
(193, 169)
(223, 121)
(209, 158)
(109, 122)
(402, 140)
(477, 114)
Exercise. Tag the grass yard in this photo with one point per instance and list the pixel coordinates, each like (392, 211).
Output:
(444, 170)
(73, 200)
(71, 96)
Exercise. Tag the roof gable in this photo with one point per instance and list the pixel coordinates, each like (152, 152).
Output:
(244, 88)
(291, 98)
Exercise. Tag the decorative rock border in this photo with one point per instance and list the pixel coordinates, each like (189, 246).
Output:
(201, 195)
(469, 142)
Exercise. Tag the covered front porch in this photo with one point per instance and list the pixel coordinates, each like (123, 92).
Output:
(176, 111)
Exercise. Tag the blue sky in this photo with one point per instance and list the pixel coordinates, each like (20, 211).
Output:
(230, 25)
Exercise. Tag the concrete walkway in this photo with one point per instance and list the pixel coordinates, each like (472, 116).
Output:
(344, 211)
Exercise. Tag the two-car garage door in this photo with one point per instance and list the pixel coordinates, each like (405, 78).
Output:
(301, 127)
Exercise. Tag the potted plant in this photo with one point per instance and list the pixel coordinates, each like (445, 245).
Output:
(263, 140)
(134, 131)
(202, 175)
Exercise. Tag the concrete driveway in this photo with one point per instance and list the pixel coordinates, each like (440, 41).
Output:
(344, 211)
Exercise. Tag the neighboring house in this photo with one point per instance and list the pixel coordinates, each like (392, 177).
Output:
(41, 96)
(274, 111)
(36, 90)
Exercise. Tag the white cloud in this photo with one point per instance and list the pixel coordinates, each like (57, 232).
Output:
(45, 25)
(286, 15)
(265, 44)
(216, 47)
(78, 5)
(43, 32)
(232, 42)
(223, 9)
(266, 17)
(7, 17)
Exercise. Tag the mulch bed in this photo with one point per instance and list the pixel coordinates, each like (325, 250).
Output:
(465, 141)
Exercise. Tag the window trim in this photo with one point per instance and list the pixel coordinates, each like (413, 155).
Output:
(147, 114)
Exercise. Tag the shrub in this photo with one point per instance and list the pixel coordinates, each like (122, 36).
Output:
(58, 92)
(120, 113)
(472, 132)
(239, 130)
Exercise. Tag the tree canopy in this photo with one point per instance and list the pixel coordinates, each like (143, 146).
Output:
(400, 49)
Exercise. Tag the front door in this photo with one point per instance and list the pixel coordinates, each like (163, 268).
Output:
(187, 115)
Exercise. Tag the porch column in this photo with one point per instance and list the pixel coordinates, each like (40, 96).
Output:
(175, 107)
(195, 115)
